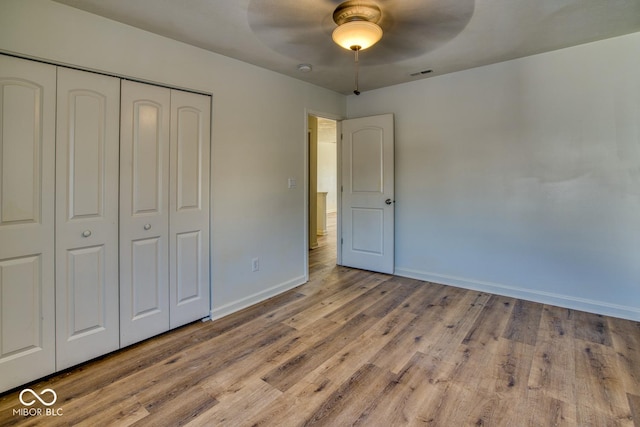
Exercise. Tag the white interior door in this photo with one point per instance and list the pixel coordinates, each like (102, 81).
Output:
(144, 211)
(27, 176)
(87, 311)
(189, 207)
(367, 193)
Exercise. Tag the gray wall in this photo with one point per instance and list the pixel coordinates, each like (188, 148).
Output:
(523, 178)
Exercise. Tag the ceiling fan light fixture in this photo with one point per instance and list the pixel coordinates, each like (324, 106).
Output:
(357, 29)
(357, 35)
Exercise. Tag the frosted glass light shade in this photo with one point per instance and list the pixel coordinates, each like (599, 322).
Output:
(357, 33)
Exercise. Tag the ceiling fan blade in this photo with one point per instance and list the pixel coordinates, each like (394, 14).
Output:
(298, 29)
(413, 28)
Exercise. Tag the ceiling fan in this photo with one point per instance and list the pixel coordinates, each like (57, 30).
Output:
(357, 28)
(305, 29)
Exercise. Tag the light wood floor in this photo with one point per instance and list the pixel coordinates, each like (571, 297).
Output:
(358, 348)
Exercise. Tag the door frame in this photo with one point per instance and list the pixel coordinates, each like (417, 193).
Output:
(338, 119)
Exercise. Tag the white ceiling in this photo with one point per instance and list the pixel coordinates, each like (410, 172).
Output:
(439, 35)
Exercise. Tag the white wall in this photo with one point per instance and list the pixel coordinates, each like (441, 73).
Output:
(523, 178)
(254, 213)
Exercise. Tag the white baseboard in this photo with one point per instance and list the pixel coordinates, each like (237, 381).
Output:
(232, 307)
(566, 301)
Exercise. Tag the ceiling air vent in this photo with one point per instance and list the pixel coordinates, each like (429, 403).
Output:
(420, 73)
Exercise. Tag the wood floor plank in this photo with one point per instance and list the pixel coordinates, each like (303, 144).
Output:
(260, 362)
(242, 317)
(344, 406)
(479, 347)
(512, 368)
(366, 300)
(444, 336)
(491, 322)
(176, 386)
(180, 409)
(388, 302)
(600, 384)
(122, 415)
(430, 295)
(403, 397)
(341, 278)
(335, 278)
(524, 322)
(456, 405)
(592, 328)
(590, 416)
(333, 302)
(472, 365)
(625, 336)
(542, 410)
(395, 354)
(246, 399)
(357, 353)
(553, 368)
(295, 368)
(634, 406)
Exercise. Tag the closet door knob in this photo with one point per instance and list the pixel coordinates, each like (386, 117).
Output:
(86, 233)
(147, 226)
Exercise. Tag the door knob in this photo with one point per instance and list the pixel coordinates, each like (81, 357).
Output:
(86, 233)
(147, 226)
(388, 201)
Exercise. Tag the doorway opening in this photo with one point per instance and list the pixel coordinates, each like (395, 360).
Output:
(323, 191)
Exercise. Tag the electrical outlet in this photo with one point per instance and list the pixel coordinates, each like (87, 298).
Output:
(255, 264)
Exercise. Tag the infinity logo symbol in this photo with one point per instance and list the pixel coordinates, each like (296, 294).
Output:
(31, 402)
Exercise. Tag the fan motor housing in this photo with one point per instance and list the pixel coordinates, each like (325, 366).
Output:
(354, 10)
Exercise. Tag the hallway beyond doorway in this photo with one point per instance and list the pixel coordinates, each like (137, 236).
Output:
(325, 254)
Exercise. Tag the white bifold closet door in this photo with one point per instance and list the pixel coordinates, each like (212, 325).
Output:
(87, 307)
(164, 209)
(104, 215)
(144, 211)
(27, 176)
(189, 207)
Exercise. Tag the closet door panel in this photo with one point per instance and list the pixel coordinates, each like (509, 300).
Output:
(147, 290)
(144, 214)
(87, 163)
(189, 206)
(27, 175)
(19, 317)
